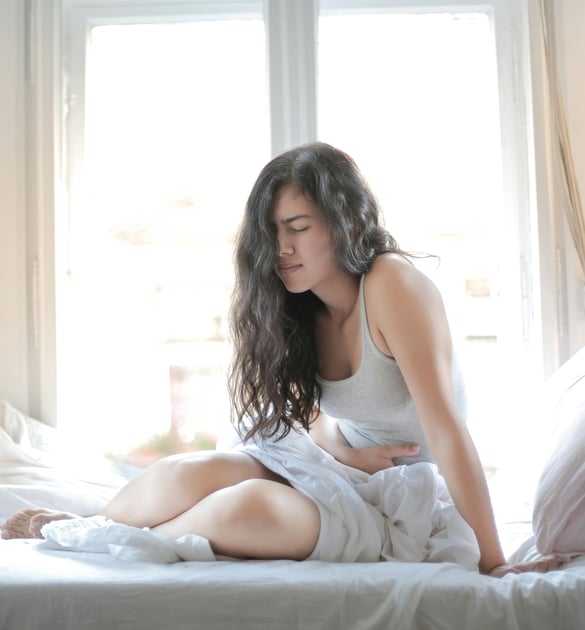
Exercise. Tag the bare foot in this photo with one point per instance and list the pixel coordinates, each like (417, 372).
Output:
(27, 523)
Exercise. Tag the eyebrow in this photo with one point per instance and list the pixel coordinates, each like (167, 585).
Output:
(295, 218)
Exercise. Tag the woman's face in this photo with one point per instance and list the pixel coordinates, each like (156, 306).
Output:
(305, 254)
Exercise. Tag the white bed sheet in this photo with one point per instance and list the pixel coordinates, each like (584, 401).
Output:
(44, 588)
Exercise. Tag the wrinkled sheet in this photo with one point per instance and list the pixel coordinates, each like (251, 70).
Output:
(98, 534)
(44, 588)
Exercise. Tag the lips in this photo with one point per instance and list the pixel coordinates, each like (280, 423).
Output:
(288, 268)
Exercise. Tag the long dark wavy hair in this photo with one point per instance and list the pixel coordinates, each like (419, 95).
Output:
(272, 381)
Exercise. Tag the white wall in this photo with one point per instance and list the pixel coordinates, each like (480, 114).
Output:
(13, 253)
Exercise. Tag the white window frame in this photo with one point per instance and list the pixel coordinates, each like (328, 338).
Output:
(54, 97)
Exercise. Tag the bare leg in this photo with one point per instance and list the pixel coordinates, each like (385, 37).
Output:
(177, 483)
(160, 493)
(253, 519)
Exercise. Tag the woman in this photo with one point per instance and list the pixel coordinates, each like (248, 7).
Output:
(328, 315)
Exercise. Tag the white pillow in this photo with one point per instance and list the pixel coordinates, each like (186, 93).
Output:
(26, 431)
(29, 442)
(559, 506)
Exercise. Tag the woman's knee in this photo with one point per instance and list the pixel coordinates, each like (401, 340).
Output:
(285, 522)
(251, 500)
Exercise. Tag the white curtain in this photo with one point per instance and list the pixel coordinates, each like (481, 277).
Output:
(571, 200)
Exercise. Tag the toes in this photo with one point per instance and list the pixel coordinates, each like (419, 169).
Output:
(37, 522)
(28, 523)
(7, 533)
(18, 525)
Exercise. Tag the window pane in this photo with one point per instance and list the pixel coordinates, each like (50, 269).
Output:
(176, 130)
(414, 100)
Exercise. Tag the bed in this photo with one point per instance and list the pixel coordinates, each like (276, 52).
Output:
(41, 587)
(61, 590)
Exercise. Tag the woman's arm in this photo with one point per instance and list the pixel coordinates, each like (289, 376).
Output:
(408, 322)
(326, 434)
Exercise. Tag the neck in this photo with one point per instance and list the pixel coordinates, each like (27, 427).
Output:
(340, 296)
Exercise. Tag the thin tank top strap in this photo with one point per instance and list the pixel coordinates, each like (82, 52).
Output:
(364, 326)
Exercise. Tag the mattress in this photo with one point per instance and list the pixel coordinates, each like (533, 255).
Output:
(45, 588)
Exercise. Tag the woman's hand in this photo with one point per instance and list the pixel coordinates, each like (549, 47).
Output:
(371, 459)
(325, 433)
(543, 565)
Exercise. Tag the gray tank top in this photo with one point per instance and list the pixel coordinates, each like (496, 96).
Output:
(373, 406)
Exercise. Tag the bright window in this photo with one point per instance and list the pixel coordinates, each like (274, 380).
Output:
(176, 128)
(414, 99)
(169, 126)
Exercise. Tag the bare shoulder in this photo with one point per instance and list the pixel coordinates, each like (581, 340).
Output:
(394, 277)
(405, 309)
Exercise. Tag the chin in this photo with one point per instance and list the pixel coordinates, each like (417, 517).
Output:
(296, 289)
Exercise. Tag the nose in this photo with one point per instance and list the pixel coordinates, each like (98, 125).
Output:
(284, 245)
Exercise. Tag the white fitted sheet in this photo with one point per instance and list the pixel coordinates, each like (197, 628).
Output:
(44, 588)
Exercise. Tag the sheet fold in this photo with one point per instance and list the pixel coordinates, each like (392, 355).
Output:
(98, 534)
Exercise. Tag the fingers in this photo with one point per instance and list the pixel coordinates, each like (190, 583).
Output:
(372, 459)
(543, 565)
(548, 563)
(400, 450)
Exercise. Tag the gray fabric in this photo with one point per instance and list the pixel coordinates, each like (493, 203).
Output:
(373, 406)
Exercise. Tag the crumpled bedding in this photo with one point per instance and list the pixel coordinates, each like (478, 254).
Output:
(98, 534)
(401, 514)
